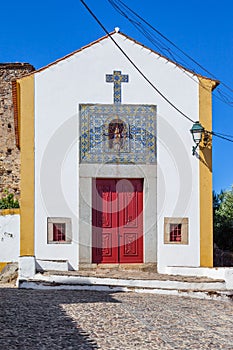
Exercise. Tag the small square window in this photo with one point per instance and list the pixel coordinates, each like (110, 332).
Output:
(176, 230)
(59, 230)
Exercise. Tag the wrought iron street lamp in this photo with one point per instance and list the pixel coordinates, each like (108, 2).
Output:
(197, 131)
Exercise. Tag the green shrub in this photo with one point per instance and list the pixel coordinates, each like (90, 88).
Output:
(223, 219)
(8, 201)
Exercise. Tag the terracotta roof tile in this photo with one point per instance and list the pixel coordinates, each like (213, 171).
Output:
(131, 39)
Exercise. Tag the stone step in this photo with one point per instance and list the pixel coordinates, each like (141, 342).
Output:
(132, 275)
(223, 295)
(46, 265)
(145, 267)
(59, 279)
(225, 273)
(201, 289)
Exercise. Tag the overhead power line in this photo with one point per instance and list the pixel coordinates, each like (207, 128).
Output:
(226, 135)
(135, 66)
(161, 46)
(222, 136)
(113, 3)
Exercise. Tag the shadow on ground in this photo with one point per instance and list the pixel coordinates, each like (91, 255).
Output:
(34, 319)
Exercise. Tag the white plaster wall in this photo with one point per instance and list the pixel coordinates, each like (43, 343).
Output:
(81, 79)
(9, 238)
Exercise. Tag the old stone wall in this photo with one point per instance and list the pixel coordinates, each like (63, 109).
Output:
(9, 153)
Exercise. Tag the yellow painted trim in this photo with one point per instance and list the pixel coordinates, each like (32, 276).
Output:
(205, 173)
(26, 117)
(4, 212)
(2, 265)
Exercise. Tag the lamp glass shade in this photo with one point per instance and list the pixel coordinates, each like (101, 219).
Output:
(196, 131)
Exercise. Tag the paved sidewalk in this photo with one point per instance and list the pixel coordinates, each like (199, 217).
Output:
(38, 320)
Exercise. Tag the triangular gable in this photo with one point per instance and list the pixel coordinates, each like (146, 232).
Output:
(130, 39)
(15, 87)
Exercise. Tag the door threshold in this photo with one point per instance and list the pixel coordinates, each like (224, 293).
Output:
(132, 266)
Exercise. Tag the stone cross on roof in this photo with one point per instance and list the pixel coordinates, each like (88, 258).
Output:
(117, 78)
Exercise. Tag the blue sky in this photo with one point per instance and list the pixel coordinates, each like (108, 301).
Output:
(43, 31)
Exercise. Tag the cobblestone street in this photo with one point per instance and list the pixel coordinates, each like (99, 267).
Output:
(51, 319)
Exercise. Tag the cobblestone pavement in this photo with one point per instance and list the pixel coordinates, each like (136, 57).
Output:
(56, 319)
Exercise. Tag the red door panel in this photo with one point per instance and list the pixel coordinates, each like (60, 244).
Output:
(131, 221)
(117, 220)
(104, 222)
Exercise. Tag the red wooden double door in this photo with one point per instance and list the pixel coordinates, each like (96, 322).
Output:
(117, 221)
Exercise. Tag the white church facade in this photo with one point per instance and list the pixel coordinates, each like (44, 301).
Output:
(107, 171)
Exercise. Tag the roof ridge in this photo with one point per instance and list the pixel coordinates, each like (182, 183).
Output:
(71, 54)
(168, 59)
(129, 38)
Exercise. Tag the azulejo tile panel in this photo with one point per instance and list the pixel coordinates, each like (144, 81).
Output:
(117, 133)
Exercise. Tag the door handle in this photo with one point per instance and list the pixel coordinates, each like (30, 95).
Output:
(130, 218)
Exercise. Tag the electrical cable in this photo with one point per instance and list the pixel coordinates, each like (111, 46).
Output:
(227, 135)
(144, 31)
(227, 99)
(135, 66)
(222, 136)
(168, 40)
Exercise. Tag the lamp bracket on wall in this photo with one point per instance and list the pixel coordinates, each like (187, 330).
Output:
(199, 133)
